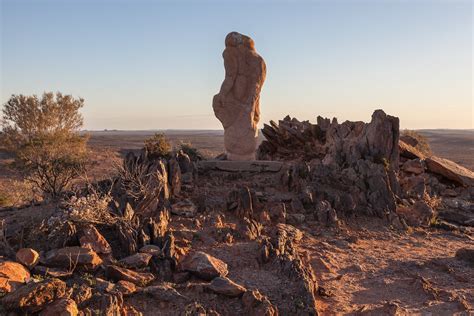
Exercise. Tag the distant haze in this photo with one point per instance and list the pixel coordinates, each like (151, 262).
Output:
(157, 64)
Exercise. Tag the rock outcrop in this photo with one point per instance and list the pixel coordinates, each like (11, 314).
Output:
(237, 105)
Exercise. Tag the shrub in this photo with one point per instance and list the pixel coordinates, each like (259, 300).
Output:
(157, 146)
(43, 135)
(193, 153)
(422, 143)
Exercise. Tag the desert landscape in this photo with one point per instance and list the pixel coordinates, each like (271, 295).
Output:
(345, 263)
(170, 180)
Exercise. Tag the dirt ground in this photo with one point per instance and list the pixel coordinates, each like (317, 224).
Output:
(361, 267)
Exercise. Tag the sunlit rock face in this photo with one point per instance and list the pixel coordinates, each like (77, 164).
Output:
(237, 105)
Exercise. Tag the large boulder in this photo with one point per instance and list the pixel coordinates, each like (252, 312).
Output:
(450, 170)
(12, 276)
(205, 266)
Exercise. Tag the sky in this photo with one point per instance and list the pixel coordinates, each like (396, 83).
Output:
(147, 64)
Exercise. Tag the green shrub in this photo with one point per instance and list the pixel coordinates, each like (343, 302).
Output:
(157, 146)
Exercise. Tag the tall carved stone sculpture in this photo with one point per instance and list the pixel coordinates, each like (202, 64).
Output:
(237, 105)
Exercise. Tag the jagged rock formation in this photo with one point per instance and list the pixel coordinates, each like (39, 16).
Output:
(357, 167)
(237, 105)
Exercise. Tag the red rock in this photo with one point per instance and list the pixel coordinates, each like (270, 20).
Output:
(226, 287)
(256, 304)
(139, 278)
(92, 239)
(138, 260)
(12, 276)
(419, 214)
(73, 256)
(205, 266)
(32, 297)
(450, 170)
(61, 307)
(28, 257)
(81, 294)
(409, 151)
(125, 287)
(413, 166)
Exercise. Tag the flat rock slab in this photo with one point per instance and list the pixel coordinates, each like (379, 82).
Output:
(450, 170)
(240, 166)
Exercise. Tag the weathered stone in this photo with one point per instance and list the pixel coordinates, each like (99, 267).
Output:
(413, 166)
(71, 257)
(240, 201)
(184, 161)
(34, 296)
(151, 249)
(117, 273)
(237, 105)
(12, 276)
(225, 286)
(256, 304)
(239, 166)
(137, 261)
(325, 213)
(127, 236)
(91, 238)
(205, 266)
(185, 208)
(466, 254)
(174, 177)
(110, 304)
(52, 272)
(419, 214)
(28, 257)
(61, 307)
(128, 212)
(409, 152)
(412, 141)
(164, 292)
(125, 287)
(103, 285)
(450, 170)
(181, 277)
(414, 186)
(81, 294)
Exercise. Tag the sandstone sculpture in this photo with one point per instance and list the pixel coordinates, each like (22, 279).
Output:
(237, 103)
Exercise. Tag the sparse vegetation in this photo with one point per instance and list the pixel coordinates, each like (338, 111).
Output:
(43, 135)
(422, 143)
(193, 153)
(157, 146)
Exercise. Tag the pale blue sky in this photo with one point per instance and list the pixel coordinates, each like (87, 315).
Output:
(157, 64)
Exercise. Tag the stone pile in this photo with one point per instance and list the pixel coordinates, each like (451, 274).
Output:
(357, 167)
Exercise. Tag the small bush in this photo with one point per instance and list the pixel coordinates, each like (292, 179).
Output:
(157, 146)
(193, 153)
(43, 135)
(423, 145)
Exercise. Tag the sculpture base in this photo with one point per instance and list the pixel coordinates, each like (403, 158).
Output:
(239, 166)
(237, 157)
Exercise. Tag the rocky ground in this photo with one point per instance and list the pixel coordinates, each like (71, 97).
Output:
(337, 219)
